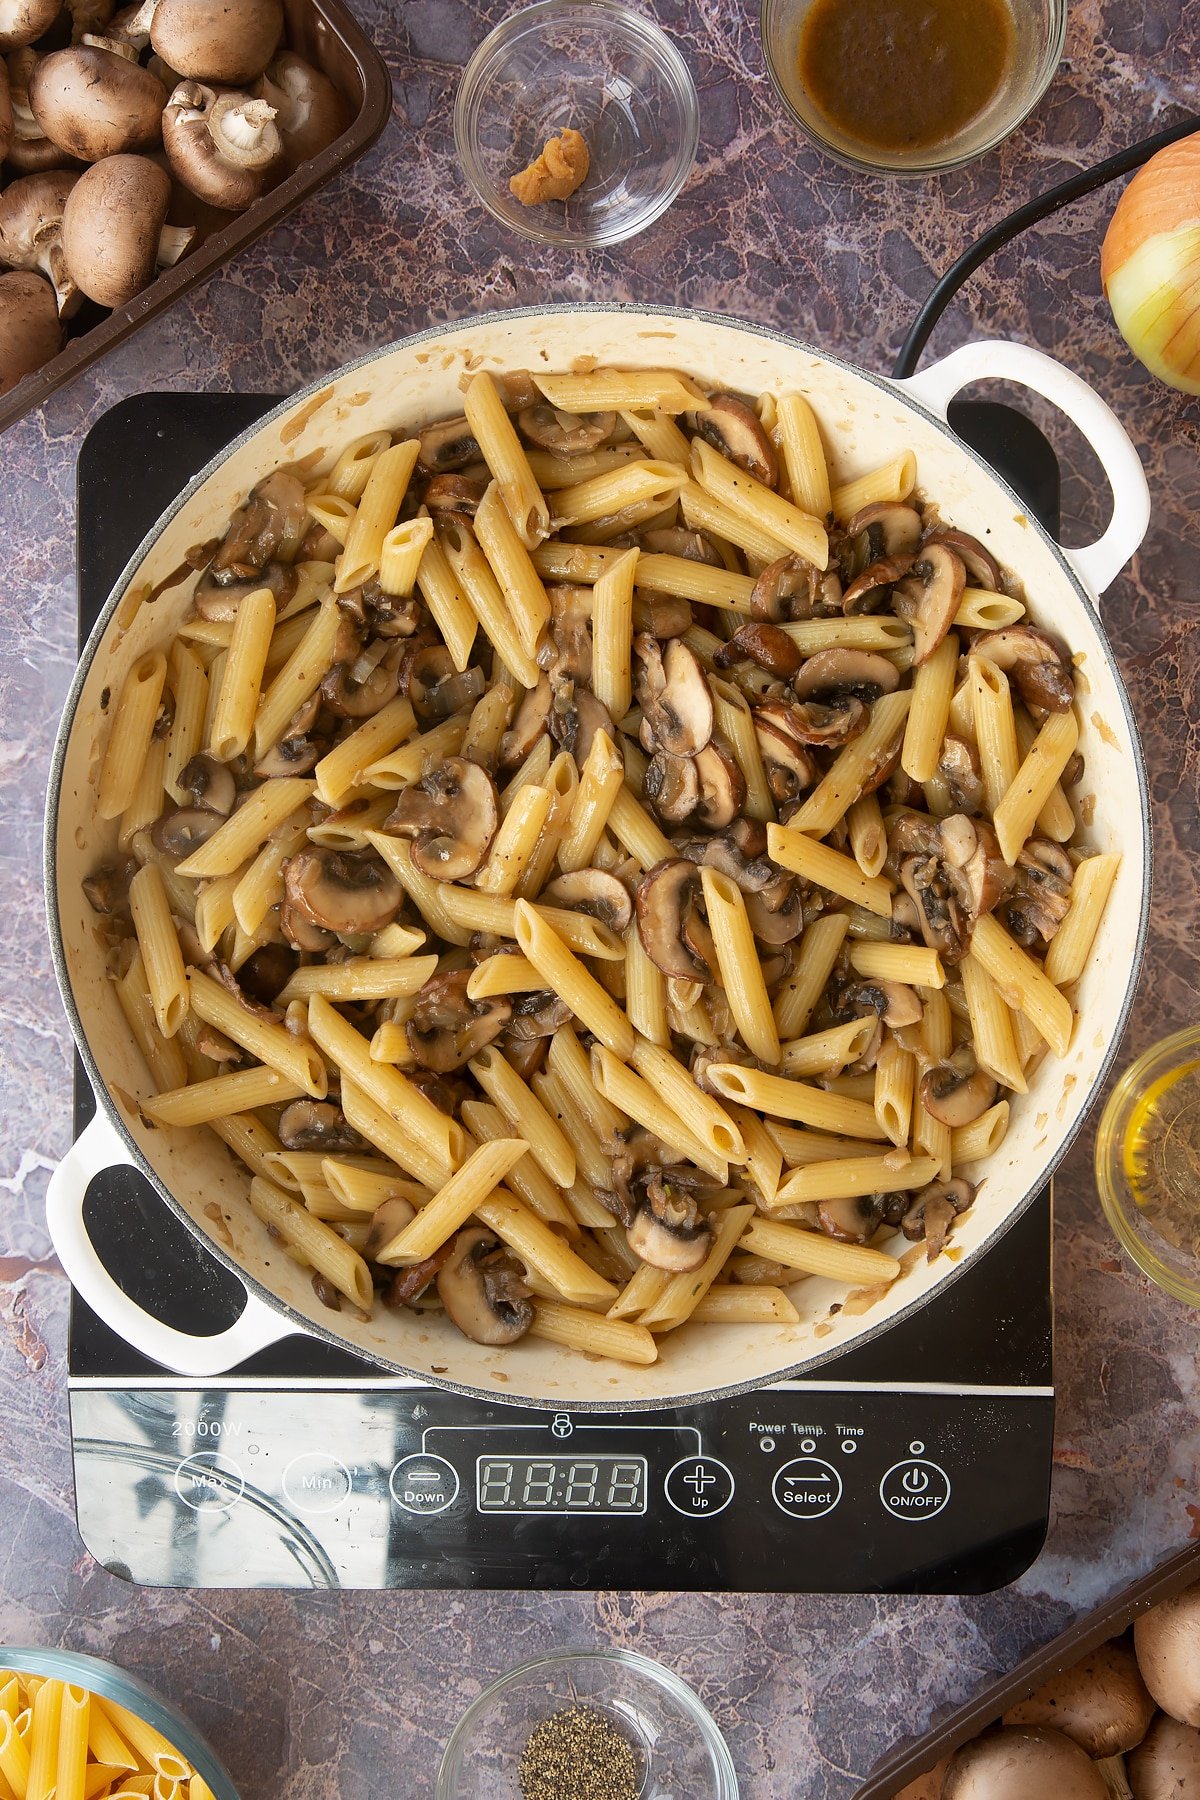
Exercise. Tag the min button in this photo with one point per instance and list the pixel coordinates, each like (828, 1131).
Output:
(914, 1489)
(316, 1483)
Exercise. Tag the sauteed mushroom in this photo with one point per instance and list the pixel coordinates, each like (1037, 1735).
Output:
(788, 767)
(733, 428)
(934, 1211)
(592, 891)
(1041, 892)
(958, 767)
(674, 934)
(484, 1290)
(871, 591)
(885, 528)
(575, 717)
(387, 1222)
(107, 890)
(668, 1229)
(768, 646)
(928, 598)
(564, 433)
(451, 815)
(341, 891)
(671, 785)
(957, 1091)
(840, 674)
(450, 444)
(722, 786)
(436, 688)
(210, 783)
(316, 1125)
(532, 720)
(447, 1027)
(674, 695)
(979, 562)
(184, 829)
(219, 593)
(269, 528)
(1038, 664)
(352, 695)
(814, 722)
(791, 587)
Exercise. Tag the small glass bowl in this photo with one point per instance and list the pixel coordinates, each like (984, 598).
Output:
(683, 1754)
(1176, 1269)
(605, 71)
(1040, 30)
(113, 1683)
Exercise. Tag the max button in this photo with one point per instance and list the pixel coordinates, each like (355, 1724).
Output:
(914, 1489)
(207, 1483)
(699, 1487)
(424, 1484)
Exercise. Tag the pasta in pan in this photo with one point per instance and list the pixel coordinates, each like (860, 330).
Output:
(599, 868)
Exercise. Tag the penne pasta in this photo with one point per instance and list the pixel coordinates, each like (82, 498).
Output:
(505, 456)
(1034, 782)
(819, 1255)
(856, 765)
(619, 390)
(816, 862)
(132, 729)
(515, 573)
(784, 1098)
(734, 488)
(453, 1203)
(1071, 945)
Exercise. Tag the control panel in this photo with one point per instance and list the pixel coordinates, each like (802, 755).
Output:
(790, 1488)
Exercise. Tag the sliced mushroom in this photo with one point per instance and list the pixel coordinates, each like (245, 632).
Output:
(266, 531)
(768, 646)
(958, 767)
(266, 972)
(979, 562)
(226, 41)
(885, 528)
(575, 717)
(484, 1290)
(451, 814)
(893, 1002)
(836, 674)
(957, 1091)
(93, 102)
(676, 540)
(668, 1229)
(789, 768)
(1037, 662)
(814, 722)
(436, 688)
(450, 497)
(183, 830)
(218, 593)
(210, 783)
(107, 889)
(316, 1125)
(300, 747)
(975, 868)
(673, 931)
(928, 598)
(222, 147)
(30, 330)
(531, 723)
(1041, 892)
(564, 433)
(671, 785)
(871, 591)
(448, 445)
(740, 854)
(662, 615)
(733, 428)
(853, 1221)
(673, 692)
(932, 1213)
(447, 1027)
(387, 1222)
(791, 587)
(360, 689)
(565, 651)
(31, 212)
(592, 891)
(341, 891)
(776, 925)
(722, 786)
(310, 113)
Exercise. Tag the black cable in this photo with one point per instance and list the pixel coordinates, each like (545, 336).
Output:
(1030, 214)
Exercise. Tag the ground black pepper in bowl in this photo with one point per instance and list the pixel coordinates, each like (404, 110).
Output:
(579, 1754)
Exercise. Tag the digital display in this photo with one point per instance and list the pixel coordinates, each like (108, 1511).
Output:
(561, 1484)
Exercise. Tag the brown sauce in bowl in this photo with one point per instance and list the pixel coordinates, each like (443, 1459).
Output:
(904, 75)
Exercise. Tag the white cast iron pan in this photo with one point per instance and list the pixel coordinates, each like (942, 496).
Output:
(864, 420)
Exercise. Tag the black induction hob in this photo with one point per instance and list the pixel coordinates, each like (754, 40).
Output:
(916, 1463)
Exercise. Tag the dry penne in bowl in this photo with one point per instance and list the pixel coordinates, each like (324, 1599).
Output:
(587, 887)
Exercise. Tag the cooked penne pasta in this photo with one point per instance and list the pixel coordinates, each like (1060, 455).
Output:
(189, 693)
(619, 1339)
(819, 1255)
(828, 1052)
(929, 714)
(453, 1203)
(619, 390)
(991, 1025)
(158, 941)
(856, 766)
(698, 582)
(892, 1172)
(734, 488)
(892, 480)
(546, 1142)
(910, 963)
(505, 456)
(784, 1098)
(995, 730)
(474, 575)
(361, 978)
(129, 739)
(612, 634)
(1022, 983)
(222, 1096)
(740, 969)
(401, 554)
(242, 676)
(799, 992)
(345, 767)
(982, 610)
(516, 575)
(803, 455)
(815, 861)
(1034, 782)
(245, 832)
(568, 978)
(970, 1143)
(1071, 945)
(442, 593)
(644, 1103)
(868, 836)
(375, 515)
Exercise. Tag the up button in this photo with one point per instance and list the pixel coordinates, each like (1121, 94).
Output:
(914, 1489)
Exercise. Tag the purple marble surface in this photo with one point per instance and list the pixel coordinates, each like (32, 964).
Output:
(339, 1695)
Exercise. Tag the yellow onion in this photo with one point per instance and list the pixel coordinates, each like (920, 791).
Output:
(1150, 265)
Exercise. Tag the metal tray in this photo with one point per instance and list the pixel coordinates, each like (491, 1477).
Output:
(908, 1761)
(324, 33)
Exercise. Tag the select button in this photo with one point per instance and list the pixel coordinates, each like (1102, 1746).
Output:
(807, 1488)
(424, 1484)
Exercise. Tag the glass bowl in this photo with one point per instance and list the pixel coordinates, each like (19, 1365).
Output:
(1156, 1104)
(113, 1683)
(682, 1753)
(607, 72)
(1040, 29)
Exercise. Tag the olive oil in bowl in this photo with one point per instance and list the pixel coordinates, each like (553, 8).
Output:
(1148, 1163)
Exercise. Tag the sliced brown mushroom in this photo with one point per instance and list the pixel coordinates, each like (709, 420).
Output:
(979, 562)
(957, 1091)
(210, 783)
(672, 928)
(450, 497)
(565, 651)
(360, 689)
(928, 598)
(1037, 662)
(436, 688)
(1166, 1764)
(788, 767)
(447, 1027)
(676, 540)
(671, 785)
(836, 674)
(300, 747)
(451, 815)
(184, 829)
(347, 892)
(484, 1290)
(958, 767)
(871, 591)
(593, 891)
(885, 528)
(768, 646)
(976, 870)
(933, 1211)
(316, 1125)
(575, 717)
(387, 1222)
(740, 854)
(266, 972)
(776, 925)
(673, 692)
(531, 723)
(449, 444)
(564, 433)
(893, 1002)
(218, 593)
(668, 1229)
(853, 1221)
(107, 889)
(662, 615)
(791, 587)
(733, 428)
(722, 786)
(1041, 892)
(268, 529)
(822, 725)
(93, 102)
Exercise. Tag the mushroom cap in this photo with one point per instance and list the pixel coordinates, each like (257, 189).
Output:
(1101, 1702)
(674, 935)
(31, 211)
(957, 1092)
(447, 1028)
(93, 103)
(229, 41)
(978, 561)
(195, 140)
(451, 815)
(564, 433)
(448, 443)
(676, 700)
(594, 891)
(309, 111)
(316, 1125)
(860, 673)
(928, 598)
(1038, 663)
(111, 225)
(482, 1289)
(341, 891)
(1021, 1762)
(732, 426)
(24, 21)
(1167, 1642)
(766, 644)
(1166, 1764)
(30, 329)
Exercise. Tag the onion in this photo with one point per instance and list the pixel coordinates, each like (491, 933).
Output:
(1150, 265)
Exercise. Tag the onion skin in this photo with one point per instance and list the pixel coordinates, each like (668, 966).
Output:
(1150, 265)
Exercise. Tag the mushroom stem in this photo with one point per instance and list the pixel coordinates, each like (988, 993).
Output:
(118, 46)
(240, 128)
(174, 242)
(1111, 1769)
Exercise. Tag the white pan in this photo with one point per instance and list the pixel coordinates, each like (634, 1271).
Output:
(864, 420)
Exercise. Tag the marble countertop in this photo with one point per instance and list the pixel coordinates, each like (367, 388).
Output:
(339, 1695)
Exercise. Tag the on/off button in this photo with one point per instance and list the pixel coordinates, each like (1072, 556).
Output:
(914, 1489)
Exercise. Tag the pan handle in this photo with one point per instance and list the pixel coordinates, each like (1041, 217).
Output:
(997, 359)
(100, 1148)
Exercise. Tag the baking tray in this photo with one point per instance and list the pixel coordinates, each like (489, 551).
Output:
(1063, 1652)
(324, 33)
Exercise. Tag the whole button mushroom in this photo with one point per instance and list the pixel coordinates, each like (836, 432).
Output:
(1166, 1765)
(94, 102)
(221, 147)
(229, 41)
(6, 112)
(31, 213)
(21, 21)
(1167, 1641)
(1023, 1762)
(1101, 1703)
(309, 111)
(30, 331)
(113, 234)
